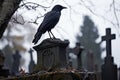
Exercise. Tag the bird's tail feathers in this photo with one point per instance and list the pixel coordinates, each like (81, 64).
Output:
(37, 37)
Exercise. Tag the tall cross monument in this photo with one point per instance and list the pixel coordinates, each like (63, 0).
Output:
(108, 39)
(109, 69)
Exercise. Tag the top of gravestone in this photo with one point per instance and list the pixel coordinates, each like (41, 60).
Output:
(108, 38)
(47, 43)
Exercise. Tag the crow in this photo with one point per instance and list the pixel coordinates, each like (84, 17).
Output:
(50, 20)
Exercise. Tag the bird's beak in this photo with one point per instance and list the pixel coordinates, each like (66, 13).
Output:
(64, 7)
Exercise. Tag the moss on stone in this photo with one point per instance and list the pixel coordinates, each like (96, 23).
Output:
(55, 76)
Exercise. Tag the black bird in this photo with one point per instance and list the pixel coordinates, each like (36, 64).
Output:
(49, 22)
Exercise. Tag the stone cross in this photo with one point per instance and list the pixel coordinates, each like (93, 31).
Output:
(108, 39)
(109, 69)
(77, 51)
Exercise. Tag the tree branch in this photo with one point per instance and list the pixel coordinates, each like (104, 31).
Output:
(8, 8)
(29, 6)
(116, 17)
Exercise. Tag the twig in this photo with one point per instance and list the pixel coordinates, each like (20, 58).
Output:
(32, 3)
(15, 19)
(35, 21)
(116, 17)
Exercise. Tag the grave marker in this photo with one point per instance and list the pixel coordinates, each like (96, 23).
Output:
(77, 51)
(109, 69)
(90, 61)
(51, 54)
(16, 63)
(108, 39)
(32, 63)
(3, 72)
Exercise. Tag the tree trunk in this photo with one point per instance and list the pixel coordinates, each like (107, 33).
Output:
(7, 9)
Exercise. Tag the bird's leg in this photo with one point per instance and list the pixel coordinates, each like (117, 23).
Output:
(49, 34)
(52, 35)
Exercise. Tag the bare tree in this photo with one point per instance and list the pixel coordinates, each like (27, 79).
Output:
(7, 9)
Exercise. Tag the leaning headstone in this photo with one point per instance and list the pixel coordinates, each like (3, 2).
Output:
(16, 63)
(32, 63)
(3, 72)
(109, 69)
(51, 54)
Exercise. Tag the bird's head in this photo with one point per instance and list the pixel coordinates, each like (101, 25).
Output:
(58, 8)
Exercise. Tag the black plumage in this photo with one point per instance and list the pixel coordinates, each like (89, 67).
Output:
(49, 22)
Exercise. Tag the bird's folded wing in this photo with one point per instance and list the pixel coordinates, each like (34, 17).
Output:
(49, 18)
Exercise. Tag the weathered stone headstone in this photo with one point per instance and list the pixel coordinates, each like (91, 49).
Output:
(109, 69)
(51, 54)
(77, 51)
(3, 72)
(16, 63)
(90, 61)
(32, 63)
(8, 57)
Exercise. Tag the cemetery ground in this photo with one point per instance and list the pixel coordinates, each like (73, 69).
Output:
(55, 64)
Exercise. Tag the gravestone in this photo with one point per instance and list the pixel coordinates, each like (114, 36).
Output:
(77, 51)
(3, 72)
(8, 57)
(32, 63)
(109, 69)
(51, 54)
(119, 73)
(16, 63)
(90, 61)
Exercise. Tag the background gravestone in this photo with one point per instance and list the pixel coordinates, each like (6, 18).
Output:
(77, 50)
(3, 72)
(8, 57)
(32, 63)
(109, 69)
(16, 63)
(90, 61)
(51, 54)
